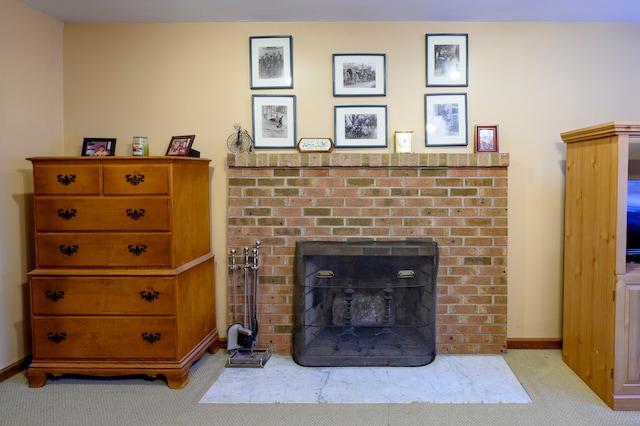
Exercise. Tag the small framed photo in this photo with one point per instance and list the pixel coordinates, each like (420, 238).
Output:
(359, 75)
(486, 138)
(274, 121)
(180, 146)
(361, 126)
(447, 60)
(271, 62)
(98, 147)
(446, 119)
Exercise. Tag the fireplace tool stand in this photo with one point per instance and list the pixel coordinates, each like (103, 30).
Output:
(242, 337)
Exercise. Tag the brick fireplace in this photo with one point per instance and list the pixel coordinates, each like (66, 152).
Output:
(456, 200)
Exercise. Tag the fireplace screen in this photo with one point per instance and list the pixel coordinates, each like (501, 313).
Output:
(365, 303)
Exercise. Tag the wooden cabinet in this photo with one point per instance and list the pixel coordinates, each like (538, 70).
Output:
(124, 278)
(601, 316)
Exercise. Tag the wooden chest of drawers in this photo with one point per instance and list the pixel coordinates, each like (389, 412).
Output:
(124, 278)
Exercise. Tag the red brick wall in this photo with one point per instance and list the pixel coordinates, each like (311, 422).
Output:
(458, 200)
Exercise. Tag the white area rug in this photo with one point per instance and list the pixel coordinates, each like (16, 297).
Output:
(448, 379)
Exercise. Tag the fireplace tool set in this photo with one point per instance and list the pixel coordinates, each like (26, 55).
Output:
(242, 336)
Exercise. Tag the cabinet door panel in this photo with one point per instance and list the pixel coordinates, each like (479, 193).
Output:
(138, 178)
(93, 249)
(62, 178)
(102, 213)
(55, 295)
(104, 337)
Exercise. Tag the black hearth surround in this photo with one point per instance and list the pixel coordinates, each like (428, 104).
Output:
(365, 303)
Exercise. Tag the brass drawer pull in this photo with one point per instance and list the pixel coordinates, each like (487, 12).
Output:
(135, 179)
(150, 295)
(68, 250)
(66, 180)
(54, 296)
(151, 337)
(57, 338)
(67, 214)
(135, 214)
(137, 249)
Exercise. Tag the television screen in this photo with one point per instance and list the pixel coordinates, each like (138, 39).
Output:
(633, 221)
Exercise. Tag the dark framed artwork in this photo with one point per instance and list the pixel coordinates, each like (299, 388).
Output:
(180, 146)
(271, 62)
(359, 74)
(446, 119)
(98, 147)
(486, 138)
(274, 121)
(361, 126)
(447, 59)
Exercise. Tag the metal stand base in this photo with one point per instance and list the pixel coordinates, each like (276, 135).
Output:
(248, 358)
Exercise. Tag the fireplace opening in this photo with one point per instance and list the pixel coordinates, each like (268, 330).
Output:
(365, 303)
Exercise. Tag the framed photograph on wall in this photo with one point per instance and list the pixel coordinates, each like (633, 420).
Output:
(98, 147)
(271, 62)
(445, 119)
(447, 60)
(180, 146)
(359, 74)
(486, 138)
(361, 126)
(274, 121)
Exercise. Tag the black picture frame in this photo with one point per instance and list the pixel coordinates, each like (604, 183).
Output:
(359, 74)
(98, 147)
(446, 119)
(447, 60)
(271, 62)
(360, 126)
(274, 121)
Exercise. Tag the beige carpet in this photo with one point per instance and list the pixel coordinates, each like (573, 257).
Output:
(558, 397)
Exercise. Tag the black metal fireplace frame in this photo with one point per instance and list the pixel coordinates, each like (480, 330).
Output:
(387, 319)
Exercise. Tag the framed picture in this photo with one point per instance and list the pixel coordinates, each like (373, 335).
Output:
(98, 147)
(361, 126)
(486, 138)
(359, 75)
(180, 146)
(271, 62)
(447, 60)
(274, 121)
(445, 119)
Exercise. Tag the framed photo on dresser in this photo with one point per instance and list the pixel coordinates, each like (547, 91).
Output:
(98, 147)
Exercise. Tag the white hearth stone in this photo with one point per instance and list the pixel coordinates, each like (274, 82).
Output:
(448, 379)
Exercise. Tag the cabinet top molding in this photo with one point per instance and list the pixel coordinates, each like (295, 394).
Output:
(612, 128)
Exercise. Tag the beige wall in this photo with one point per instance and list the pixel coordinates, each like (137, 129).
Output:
(30, 124)
(533, 80)
(160, 80)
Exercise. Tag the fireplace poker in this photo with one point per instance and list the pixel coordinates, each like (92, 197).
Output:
(254, 318)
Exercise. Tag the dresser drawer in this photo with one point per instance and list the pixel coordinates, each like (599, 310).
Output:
(102, 213)
(92, 249)
(104, 337)
(102, 295)
(136, 178)
(61, 178)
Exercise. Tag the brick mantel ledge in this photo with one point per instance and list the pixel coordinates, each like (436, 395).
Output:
(284, 160)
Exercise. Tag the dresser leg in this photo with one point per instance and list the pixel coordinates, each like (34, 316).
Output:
(214, 347)
(36, 380)
(177, 381)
